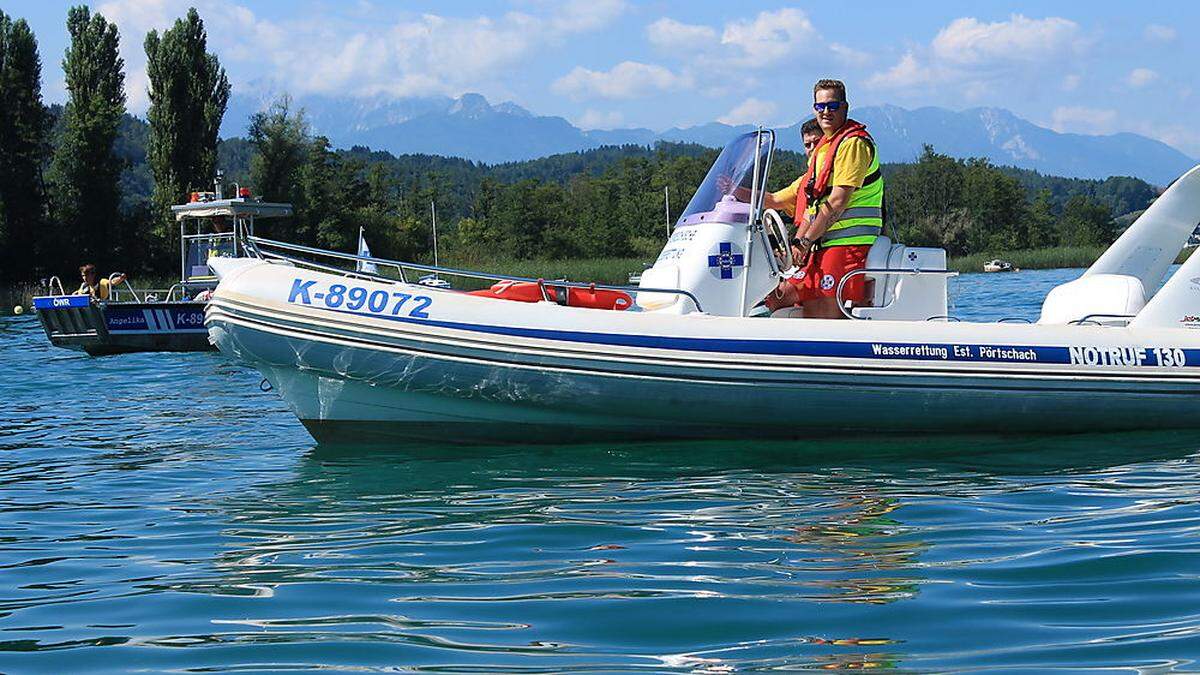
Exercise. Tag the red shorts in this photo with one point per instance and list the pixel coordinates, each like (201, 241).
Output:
(820, 276)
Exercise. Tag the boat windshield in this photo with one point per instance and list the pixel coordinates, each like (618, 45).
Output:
(198, 248)
(731, 175)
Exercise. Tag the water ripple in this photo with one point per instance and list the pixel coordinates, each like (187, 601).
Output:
(188, 523)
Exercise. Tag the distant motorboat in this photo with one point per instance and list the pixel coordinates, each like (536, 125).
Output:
(365, 356)
(159, 320)
(998, 265)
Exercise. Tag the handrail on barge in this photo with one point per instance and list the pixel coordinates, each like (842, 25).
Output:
(400, 266)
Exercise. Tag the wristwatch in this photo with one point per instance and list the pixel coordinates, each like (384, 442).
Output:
(802, 242)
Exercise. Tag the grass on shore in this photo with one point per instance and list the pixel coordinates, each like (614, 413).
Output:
(22, 294)
(616, 271)
(1057, 257)
(1032, 259)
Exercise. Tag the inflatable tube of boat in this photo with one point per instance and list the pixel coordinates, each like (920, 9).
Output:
(529, 291)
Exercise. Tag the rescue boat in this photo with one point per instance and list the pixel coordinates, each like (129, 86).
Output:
(367, 356)
(159, 320)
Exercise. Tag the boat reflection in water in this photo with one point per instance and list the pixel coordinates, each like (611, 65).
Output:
(706, 556)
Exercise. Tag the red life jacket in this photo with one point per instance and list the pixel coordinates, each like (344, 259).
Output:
(817, 187)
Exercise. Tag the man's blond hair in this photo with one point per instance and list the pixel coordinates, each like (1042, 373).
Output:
(830, 85)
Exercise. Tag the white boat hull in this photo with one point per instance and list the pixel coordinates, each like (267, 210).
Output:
(473, 369)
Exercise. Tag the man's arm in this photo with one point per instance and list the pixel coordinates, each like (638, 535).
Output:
(808, 233)
(785, 199)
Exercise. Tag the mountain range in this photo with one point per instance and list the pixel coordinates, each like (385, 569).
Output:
(472, 128)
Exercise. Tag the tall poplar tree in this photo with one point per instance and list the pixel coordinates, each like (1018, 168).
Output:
(23, 149)
(188, 95)
(86, 172)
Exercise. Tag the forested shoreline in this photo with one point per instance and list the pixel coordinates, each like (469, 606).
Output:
(89, 182)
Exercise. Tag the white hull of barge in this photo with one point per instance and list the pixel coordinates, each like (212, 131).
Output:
(477, 369)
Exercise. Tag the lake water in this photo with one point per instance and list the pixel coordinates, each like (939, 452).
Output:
(161, 513)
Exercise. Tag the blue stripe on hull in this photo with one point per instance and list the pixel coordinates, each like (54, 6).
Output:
(331, 382)
(888, 351)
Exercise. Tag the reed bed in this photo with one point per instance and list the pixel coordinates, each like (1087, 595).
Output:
(616, 271)
(1033, 259)
(613, 271)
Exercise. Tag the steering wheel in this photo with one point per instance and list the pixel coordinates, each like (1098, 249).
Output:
(777, 239)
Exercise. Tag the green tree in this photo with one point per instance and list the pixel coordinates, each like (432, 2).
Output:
(995, 204)
(315, 203)
(188, 95)
(281, 139)
(1085, 222)
(86, 172)
(24, 125)
(1042, 221)
(924, 202)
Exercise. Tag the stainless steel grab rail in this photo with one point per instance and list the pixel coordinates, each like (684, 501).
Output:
(400, 265)
(114, 288)
(882, 271)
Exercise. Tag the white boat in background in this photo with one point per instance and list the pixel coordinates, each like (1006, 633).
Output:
(365, 355)
(998, 265)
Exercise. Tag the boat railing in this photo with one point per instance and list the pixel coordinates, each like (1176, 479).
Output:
(116, 287)
(1103, 320)
(882, 271)
(170, 293)
(257, 244)
(52, 283)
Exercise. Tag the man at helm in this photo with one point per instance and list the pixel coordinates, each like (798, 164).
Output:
(838, 209)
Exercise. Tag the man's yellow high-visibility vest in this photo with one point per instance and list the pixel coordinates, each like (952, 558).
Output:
(862, 220)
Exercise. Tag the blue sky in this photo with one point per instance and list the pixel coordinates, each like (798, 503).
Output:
(1095, 67)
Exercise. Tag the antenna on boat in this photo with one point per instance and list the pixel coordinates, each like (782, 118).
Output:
(667, 204)
(433, 217)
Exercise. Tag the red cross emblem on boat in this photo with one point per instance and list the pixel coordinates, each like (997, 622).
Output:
(725, 260)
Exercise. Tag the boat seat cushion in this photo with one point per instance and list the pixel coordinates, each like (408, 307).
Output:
(1099, 296)
(883, 255)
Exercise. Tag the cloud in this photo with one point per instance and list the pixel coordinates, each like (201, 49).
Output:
(596, 119)
(750, 111)
(1160, 33)
(765, 40)
(670, 34)
(1180, 136)
(908, 72)
(1071, 82)
(1083, 120)
(585, 16)
(977, 55)
(849, 55)
(968, 41)
(1140, 77)
(628, 79)
(387, 51)
(770, 36)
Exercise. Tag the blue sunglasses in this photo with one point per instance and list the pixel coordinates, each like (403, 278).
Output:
(829, 105)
